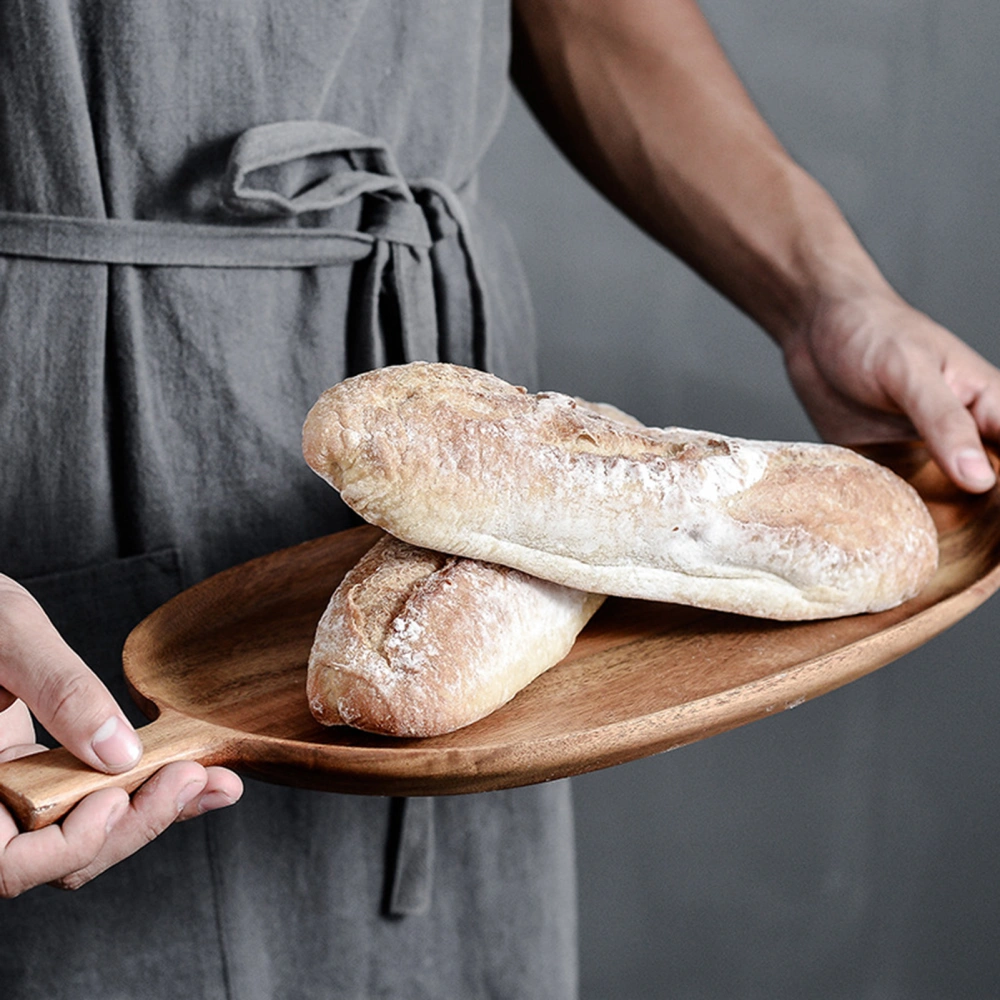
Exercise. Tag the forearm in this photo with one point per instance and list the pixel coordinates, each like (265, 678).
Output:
(642, 99)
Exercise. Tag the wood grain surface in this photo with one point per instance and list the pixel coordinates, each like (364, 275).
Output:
(221, 669)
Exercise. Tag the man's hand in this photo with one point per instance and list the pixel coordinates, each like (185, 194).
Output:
(872, 368)
(642, 99)
(38, 671)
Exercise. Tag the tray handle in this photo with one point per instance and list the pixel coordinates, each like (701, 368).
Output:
(41, 788)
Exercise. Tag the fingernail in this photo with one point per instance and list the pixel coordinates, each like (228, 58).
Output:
(116, 744)
(214, 800)
(187, 793)
(975, 468)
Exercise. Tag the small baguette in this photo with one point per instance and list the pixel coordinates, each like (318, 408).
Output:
(459, 461)
(417, 643)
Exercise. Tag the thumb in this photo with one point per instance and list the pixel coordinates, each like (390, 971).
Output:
(66, 697)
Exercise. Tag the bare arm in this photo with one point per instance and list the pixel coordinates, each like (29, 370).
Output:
(642, 99)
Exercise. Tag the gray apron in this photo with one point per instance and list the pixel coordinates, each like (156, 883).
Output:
(209, 212)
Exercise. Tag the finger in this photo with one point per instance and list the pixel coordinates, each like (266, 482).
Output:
(18, 750)
(31, 859)
(16, 725)
(64, 694)
(977, 384)
(222, 788)
(985, 408)
(179, 791)
(154, 807)
(942, 419)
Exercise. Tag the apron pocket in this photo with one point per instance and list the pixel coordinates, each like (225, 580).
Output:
(95, 608)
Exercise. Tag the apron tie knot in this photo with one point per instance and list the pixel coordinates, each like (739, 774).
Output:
(289, 187)
(422, 296)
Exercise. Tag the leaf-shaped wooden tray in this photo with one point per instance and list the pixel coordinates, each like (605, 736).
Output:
(221, 668)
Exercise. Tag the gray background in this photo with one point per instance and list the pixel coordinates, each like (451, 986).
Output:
(846, 848)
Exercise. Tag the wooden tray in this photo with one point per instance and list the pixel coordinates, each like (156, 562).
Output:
(222, 669)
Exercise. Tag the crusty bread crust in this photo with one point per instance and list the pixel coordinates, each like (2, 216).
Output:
(459, 461)
(416, 643)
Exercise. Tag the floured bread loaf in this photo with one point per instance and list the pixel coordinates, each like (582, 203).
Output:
(458, 461)
(416, 643)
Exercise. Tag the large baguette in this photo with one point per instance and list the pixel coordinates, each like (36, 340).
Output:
(416, 643)
(459, 461)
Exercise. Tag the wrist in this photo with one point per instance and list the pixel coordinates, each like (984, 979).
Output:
(814, 264)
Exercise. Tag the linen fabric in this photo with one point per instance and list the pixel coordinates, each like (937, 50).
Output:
(209, 213)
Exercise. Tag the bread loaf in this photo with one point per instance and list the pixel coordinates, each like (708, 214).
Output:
(416, 643)
(459, 461)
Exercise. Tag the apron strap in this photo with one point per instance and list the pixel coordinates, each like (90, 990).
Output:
(409, 857)
(422, 296)
(459, 285)
(145, 243)
(295, 168)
